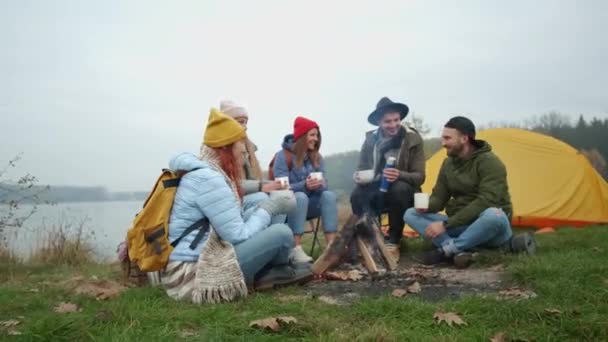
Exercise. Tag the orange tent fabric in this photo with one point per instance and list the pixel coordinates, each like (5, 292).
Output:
(550, 182)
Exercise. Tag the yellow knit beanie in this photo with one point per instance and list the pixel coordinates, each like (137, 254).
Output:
(222, 130)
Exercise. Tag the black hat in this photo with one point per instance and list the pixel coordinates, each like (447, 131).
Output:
(385, 105)
(464, 126)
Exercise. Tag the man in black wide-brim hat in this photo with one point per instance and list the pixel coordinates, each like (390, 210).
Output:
(390, 139)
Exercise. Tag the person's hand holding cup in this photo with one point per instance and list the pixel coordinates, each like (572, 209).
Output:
(271, 186)
(314, 181)
(421, 202)
(283, 181)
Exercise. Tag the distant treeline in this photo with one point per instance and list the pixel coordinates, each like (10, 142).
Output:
(57, 194)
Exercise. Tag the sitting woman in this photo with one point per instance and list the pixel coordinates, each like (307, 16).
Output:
(301, 161)
(255, 189)
(235, 253)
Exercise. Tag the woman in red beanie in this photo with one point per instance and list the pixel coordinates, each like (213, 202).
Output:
(301, 161)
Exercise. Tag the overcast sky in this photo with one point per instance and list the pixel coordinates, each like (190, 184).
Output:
(105, 92)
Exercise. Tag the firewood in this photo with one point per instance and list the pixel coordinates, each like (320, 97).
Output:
(368, 260)
(359, 236)
(379, 239)
(334, 252)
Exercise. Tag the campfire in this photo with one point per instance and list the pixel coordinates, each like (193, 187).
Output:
(359, 240)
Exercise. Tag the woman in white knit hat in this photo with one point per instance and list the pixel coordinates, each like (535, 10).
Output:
(254, 187)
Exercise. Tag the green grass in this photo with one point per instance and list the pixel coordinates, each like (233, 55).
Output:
(569, 273)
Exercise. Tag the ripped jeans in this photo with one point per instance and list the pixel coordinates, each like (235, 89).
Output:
(491, 229)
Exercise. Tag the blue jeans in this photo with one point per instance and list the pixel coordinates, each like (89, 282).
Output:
(269, 247)
(324, 205)
(250, 203)
(491, 229)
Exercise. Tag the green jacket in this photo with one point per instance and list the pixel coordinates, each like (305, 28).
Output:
(466, 187)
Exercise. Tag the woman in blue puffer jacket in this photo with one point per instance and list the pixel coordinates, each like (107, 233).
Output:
(241, 250)
(301, 161)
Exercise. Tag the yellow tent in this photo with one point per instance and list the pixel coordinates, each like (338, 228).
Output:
(551, 183)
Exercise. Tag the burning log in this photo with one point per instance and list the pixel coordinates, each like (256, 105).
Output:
(359, 237)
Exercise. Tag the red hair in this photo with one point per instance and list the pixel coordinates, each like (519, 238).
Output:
(230, 166)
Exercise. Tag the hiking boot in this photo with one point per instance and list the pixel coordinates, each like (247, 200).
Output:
(393, 251)
(432, 257)
(463, 260)
(523, 243)
(283, 275)
(298, 255)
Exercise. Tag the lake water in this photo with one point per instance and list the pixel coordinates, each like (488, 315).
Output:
(105, 223)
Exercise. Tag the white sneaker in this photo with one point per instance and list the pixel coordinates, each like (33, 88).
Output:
(298, 255)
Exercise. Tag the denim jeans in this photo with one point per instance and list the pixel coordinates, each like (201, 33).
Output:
(267, 248)
(250, 203)
(324, 204)
(491, 229)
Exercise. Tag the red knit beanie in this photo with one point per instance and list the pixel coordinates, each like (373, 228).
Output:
(301, 126)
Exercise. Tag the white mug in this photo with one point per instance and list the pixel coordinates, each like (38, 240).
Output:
(284, 181)
(421, 200)
(317, 175)
(365, 176)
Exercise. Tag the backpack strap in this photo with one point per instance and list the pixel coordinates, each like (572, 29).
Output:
(202, 225)
(171, 183)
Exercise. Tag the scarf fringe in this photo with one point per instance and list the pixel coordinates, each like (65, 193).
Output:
(217, 294)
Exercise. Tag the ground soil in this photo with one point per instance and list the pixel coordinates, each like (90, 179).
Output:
(437, 283)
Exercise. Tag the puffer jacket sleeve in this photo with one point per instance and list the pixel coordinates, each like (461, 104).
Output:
(216, 201)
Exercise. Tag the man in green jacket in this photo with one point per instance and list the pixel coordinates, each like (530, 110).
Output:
(472, 188)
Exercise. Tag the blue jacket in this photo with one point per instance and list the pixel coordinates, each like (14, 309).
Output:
(297, 175)
(204, 192)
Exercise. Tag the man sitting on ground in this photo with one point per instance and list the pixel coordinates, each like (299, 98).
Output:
(472, 187)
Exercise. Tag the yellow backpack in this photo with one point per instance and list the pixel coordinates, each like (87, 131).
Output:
(147, 240)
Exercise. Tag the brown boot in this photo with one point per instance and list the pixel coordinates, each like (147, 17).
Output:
(394, 251)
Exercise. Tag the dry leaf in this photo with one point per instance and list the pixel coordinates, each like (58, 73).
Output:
(187, 333)
(34, 290)
(399, 293)
(355, 275)
(553, 311)
(336, 275)
(597, 249)
(13, 332)
(272, 323)
(516, 293)
(606, 282)
(9, 323)
(500, 337)
(66, 308)
(414, 288)
(328, 300)
(497, 268)
(449, 318)
(419, 272)
(101, 290)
